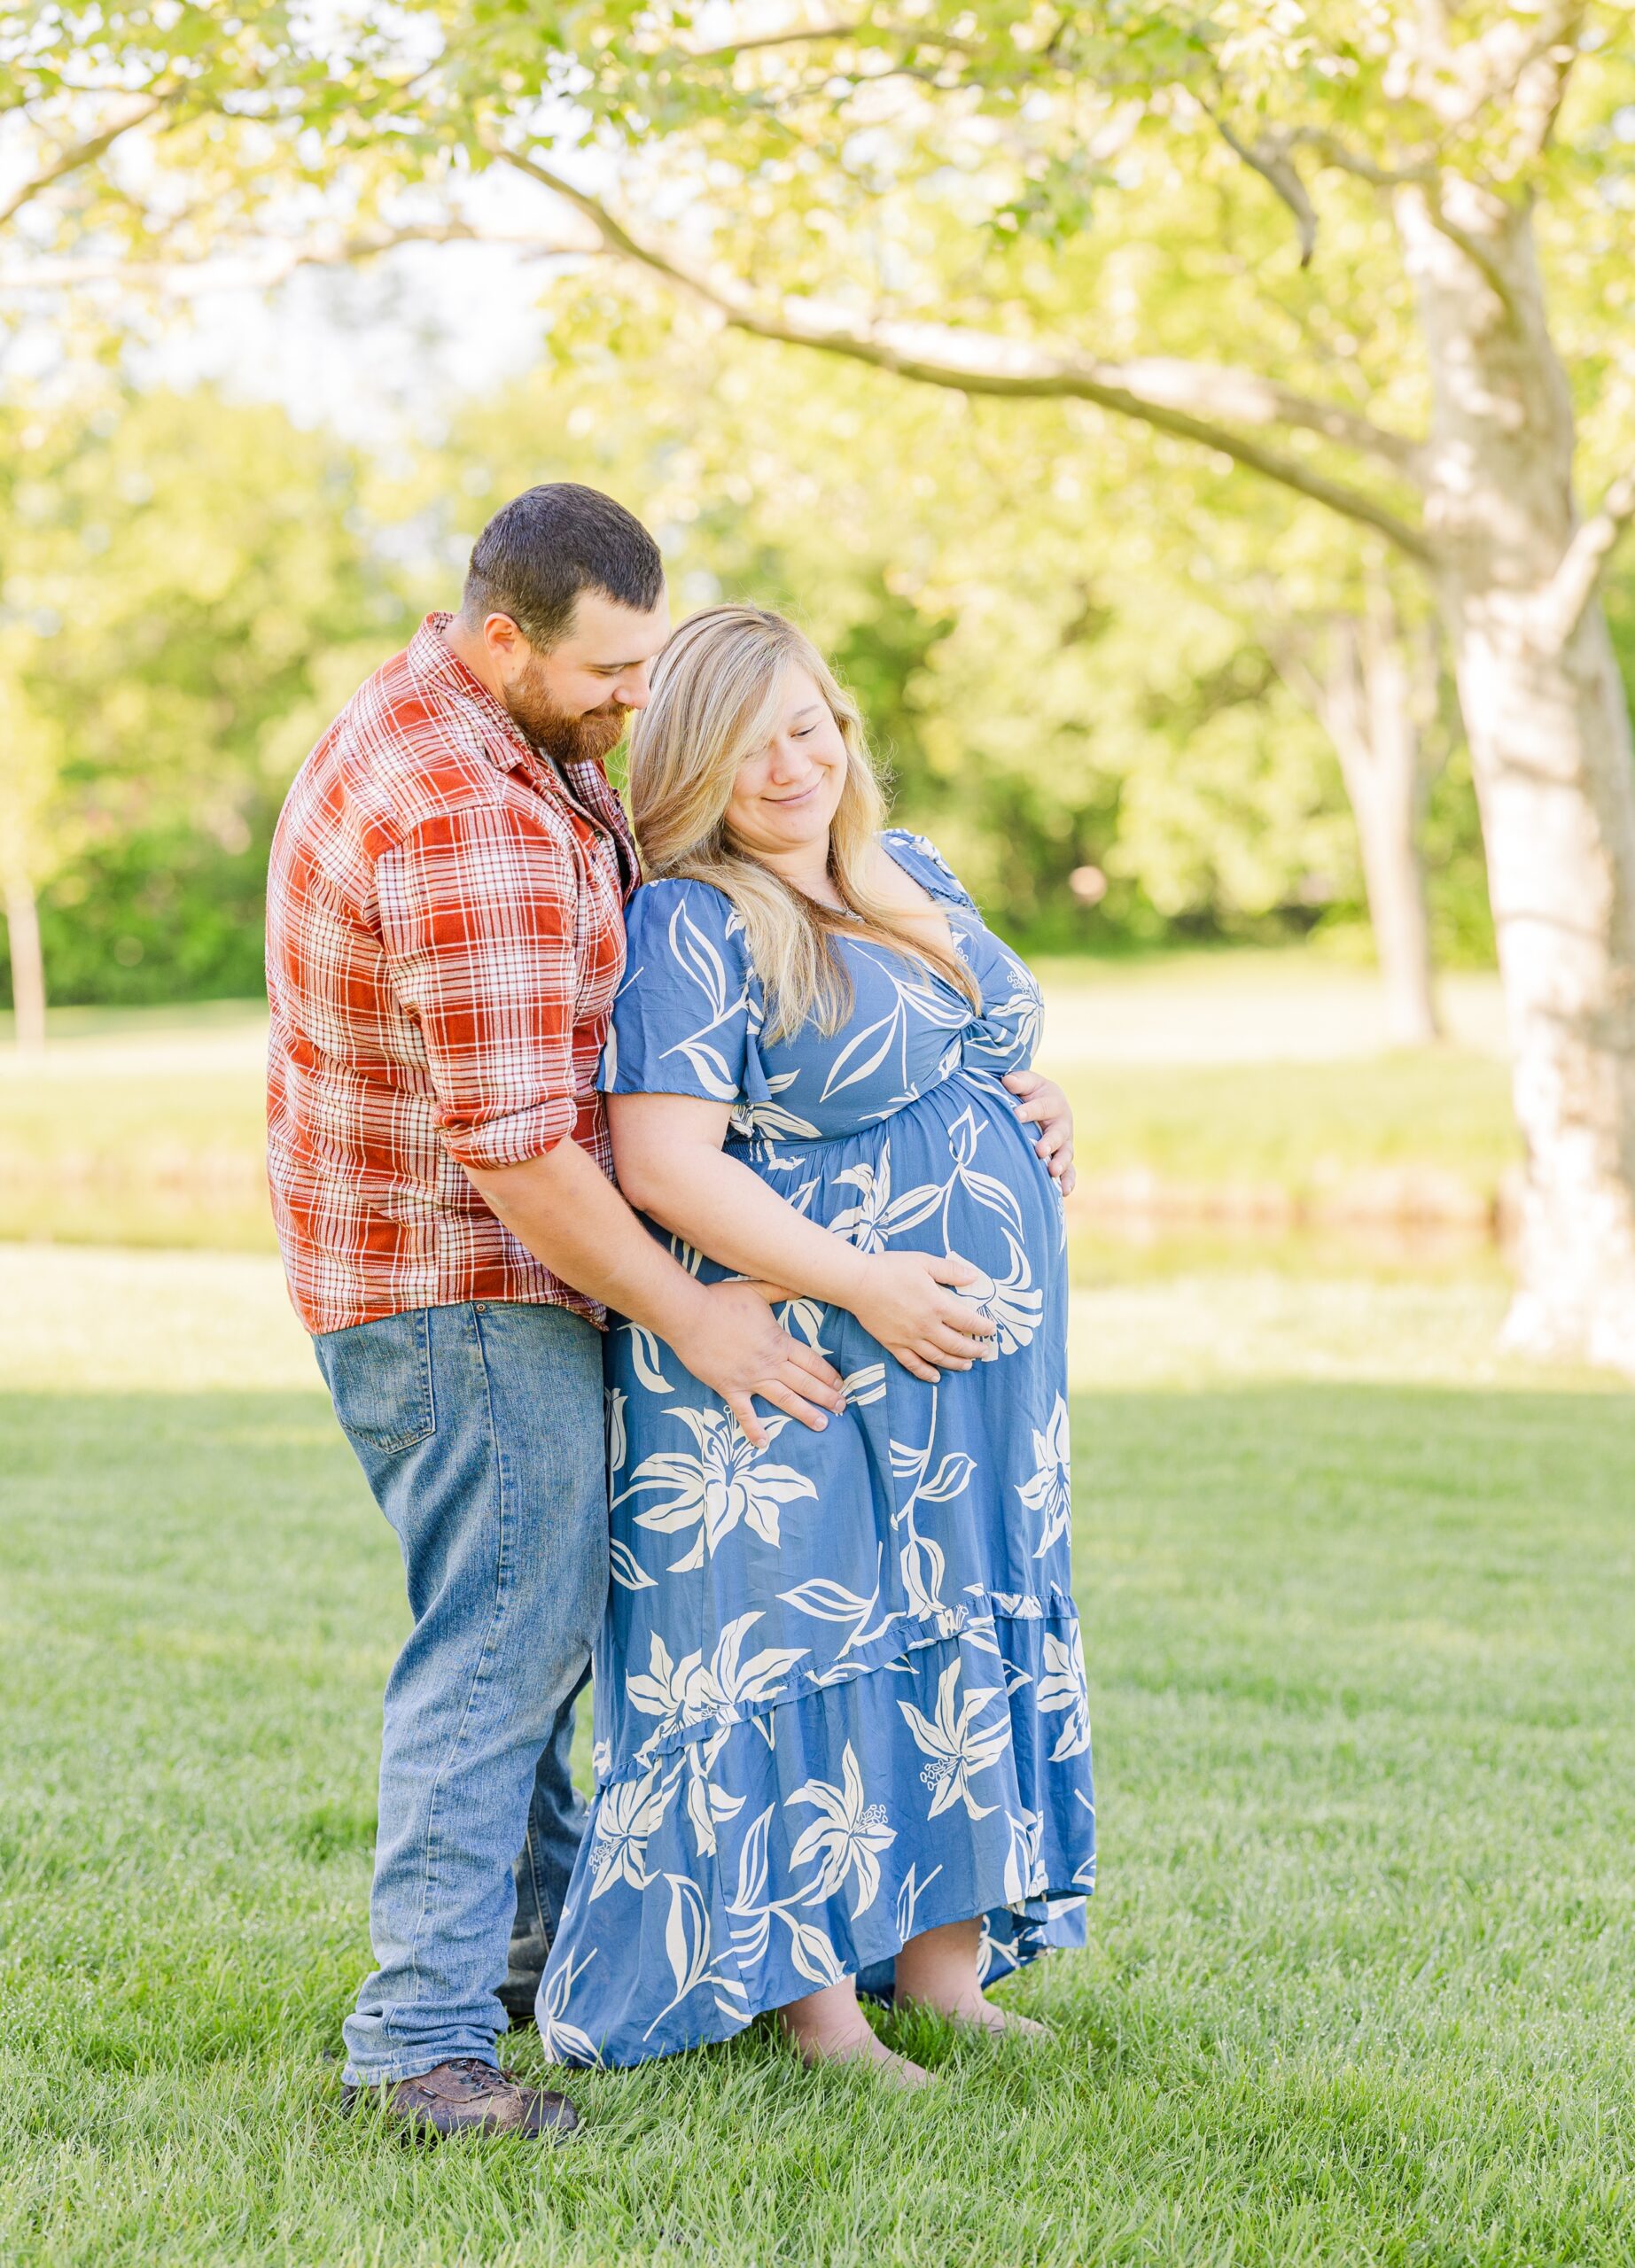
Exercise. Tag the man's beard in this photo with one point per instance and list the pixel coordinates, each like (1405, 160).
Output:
(569, 739)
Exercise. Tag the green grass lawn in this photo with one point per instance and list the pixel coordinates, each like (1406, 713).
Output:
(1361, 1975)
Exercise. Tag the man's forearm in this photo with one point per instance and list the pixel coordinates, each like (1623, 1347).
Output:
(569, 1214)
(724, 1209)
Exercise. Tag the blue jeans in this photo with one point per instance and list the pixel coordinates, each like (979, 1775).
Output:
(479, 1430)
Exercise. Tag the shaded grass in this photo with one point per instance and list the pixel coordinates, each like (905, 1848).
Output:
(1301, 1128)
(1359, 1986)
(119, 1153)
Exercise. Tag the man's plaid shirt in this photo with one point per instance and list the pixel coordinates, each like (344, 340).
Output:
(445, 935)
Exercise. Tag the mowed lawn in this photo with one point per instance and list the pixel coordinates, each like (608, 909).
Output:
(1360, 1985)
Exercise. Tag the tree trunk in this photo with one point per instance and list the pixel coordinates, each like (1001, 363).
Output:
(22, 926)
(1550, 744)
(1370, 692)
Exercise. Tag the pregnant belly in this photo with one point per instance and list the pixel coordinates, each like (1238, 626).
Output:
(955, 1171)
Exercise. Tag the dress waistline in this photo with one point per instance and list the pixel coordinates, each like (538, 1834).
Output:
(776, 1138)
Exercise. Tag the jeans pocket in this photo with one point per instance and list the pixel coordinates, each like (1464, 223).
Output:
(379, 1377)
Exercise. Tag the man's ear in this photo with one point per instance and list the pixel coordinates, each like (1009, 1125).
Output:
(503, 640)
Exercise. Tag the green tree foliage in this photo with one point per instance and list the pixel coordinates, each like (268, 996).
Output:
(193, 590)
(1059, 668)
(1054, 680)
(1085, 182)
(189, 592)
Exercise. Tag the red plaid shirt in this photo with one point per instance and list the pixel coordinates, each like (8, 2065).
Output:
(445, 935)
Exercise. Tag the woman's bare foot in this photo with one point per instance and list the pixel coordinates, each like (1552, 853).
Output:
(983, 2015)
(937, 1970)
(829, 2027)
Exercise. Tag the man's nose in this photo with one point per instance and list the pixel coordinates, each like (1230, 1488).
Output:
(633, 693)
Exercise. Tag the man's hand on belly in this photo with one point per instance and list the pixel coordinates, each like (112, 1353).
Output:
(1041, 1103)
(568, 1213)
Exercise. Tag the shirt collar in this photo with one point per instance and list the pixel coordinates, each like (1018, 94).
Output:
(434, 662)
(433, 659)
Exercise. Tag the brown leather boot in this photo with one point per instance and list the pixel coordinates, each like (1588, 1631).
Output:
(468, 2096)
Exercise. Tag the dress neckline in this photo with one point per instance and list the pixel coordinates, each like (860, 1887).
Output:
(943, 909)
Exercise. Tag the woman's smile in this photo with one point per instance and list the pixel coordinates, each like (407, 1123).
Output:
(777, 813)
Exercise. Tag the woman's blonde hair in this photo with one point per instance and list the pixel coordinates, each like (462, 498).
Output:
(717, 688)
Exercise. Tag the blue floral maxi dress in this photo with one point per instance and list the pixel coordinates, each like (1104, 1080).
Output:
(839, 1693)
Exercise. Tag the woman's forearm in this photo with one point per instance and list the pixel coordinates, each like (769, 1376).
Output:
(668, 1151)
(729, 1214)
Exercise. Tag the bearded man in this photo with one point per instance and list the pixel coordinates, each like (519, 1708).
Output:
(445, 937)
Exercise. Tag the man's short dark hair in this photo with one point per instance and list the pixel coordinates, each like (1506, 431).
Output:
(540, 550)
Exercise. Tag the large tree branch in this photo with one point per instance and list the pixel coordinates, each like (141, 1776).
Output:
(1523, 61)
(77, 155)
(807, 34)
(1271, 160)
(1420, 174)
(1475, 250)
(907, 36)
(275, 265)
(1575, 582)
(1185, 398)
(1335, 151)
(1541, 84)
(1528, 60)
(1269, 156)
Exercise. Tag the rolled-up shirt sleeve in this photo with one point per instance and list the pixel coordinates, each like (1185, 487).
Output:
(476, 912)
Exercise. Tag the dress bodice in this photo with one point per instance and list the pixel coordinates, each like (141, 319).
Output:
(909, 1028)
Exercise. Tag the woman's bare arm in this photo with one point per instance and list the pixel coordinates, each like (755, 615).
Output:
(668, 1155)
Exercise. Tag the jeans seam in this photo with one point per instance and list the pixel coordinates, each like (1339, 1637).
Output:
(483, 1658)
(529, 1847)
(386, 1444)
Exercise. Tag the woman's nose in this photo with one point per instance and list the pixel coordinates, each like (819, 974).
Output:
(787, 765)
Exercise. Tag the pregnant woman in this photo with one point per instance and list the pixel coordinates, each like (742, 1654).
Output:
(841, 1717)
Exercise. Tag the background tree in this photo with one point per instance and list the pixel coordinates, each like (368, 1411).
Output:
(999, 627)
(28, 789)
(190, 592)
(36, 822)
(1373, 677)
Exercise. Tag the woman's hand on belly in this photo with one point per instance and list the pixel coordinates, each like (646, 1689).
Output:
(910, 1302)
(668, 1153)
